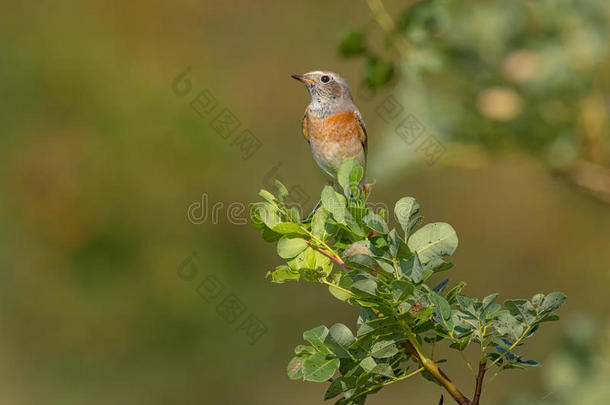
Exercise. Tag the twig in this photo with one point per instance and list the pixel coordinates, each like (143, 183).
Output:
(466, 361)
(493, 376)
(523, 335)
(479, 386)
(332, 257)
(438, 374)
(388, 382)
(324, 245)
(385, 21)
(328, 283)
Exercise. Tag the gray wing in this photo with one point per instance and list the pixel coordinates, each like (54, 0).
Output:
(305, 126)
(364, 139)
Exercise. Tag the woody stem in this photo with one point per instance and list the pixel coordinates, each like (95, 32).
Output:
(439, 375)
(479, 386)
(412, 347)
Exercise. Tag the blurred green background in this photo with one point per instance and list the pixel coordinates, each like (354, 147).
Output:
(101, 159)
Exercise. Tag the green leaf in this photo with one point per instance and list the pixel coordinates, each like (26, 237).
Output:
(282, 191)
(267, 196)
(552, 301)
(467, 304)
(355, 177)
(464, 322)
(401, 289)
(334, 203)
(537, 299)
(361, 261)
(322, 263)
(441, 305)
(365, 287)
(339, 339)
(436, 266)
(301, 350)
(487, 301)
(295, 368)
(353, 226)
(376, 223)
(377, 325)
(319, 368)
(349, 176)
(453, 293)
(338, 386)
(316, 337)
(312, 264)
(441, 286)
(256, 219)
(294, 214)
(270, 236)
(460, 344)
(521, 309)
(398, 248)
(433, 241)
(268, 214)
(384, 349)
(412, 269)
(288, 247)
(371, 366)
(405, 211)
(343, 281)
(507, 325)
(320, 226)
(282, 274)
(289, 228)
(548, 318)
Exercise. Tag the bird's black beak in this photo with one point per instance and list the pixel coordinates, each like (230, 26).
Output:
(301, 79)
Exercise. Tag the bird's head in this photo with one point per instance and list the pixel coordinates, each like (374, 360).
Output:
(325, 87)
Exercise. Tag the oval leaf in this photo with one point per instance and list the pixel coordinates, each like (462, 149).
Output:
(318, 368)
(433, 241)
(287, 248)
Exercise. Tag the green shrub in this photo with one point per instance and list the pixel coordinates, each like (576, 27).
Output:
(351, 249)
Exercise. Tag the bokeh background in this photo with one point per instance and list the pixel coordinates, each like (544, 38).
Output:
(101, 157)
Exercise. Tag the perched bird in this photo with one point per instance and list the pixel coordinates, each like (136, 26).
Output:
(332, 123)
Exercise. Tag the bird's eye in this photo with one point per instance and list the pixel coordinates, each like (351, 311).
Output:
(325, 79)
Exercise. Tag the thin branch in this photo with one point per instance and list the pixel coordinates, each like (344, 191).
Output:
(404, 377)
(523, 335)
(466, 361)
(335, 259)
(398, 360)
(479, 386)
(328, 283)
(388, 382)
(386, 22)
(325, 246)
(493, 376)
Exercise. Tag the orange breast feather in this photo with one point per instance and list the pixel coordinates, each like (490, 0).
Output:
(342, 127)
